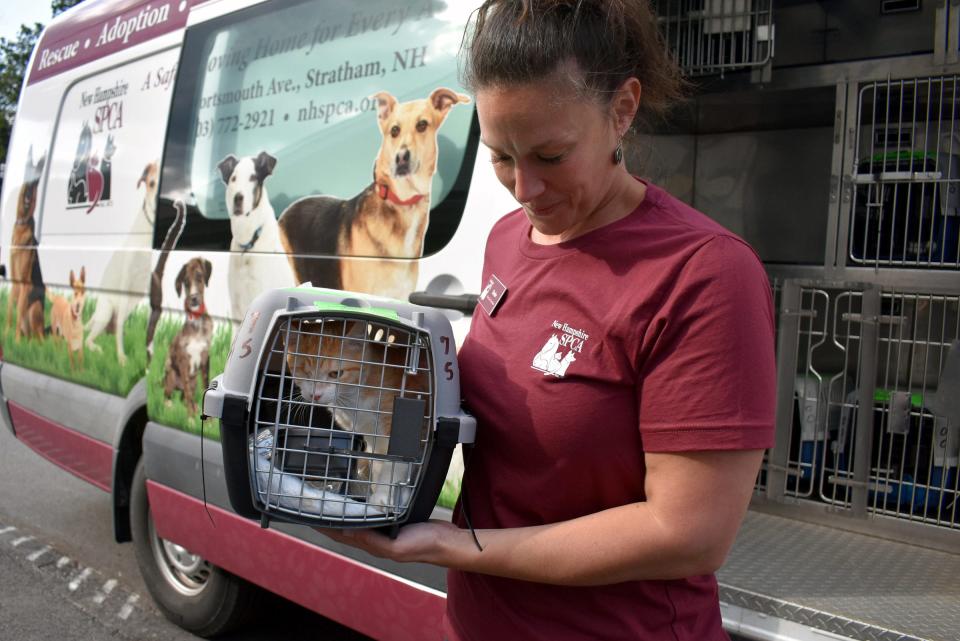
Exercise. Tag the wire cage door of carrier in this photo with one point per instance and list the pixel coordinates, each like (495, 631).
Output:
(338, 410)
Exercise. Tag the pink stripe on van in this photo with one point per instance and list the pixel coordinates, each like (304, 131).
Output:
(77, 453)
(97, 29)
(358, 596)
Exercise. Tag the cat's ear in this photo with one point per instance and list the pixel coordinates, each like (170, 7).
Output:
(356, 329)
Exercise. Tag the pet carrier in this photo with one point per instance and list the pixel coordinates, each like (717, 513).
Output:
(338, 410)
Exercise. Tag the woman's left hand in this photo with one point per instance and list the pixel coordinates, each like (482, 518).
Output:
(422, 542)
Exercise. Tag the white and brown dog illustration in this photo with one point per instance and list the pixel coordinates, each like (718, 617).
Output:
(388, 219)
(253, 227)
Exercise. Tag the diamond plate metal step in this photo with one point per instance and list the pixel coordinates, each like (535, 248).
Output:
(843, 583)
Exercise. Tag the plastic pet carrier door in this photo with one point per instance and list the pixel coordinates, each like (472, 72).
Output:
(338, 410)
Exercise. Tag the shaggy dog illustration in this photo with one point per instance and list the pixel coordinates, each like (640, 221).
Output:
(189, 357)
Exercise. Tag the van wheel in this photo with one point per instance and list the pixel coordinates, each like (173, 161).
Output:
(189, 590)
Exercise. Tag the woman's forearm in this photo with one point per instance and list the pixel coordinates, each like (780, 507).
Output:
(620, 544)
(695, 502)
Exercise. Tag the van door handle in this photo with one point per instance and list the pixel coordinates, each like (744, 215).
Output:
(461, 302)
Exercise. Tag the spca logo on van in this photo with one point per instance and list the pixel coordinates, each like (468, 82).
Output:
(90, 176)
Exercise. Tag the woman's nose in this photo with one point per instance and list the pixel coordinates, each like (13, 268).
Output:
(527, 185)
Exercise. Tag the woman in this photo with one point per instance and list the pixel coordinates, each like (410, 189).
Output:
(624, 385)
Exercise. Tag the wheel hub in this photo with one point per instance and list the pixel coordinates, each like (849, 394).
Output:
(184, 571)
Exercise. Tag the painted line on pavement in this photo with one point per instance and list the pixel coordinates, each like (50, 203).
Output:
(104, 592)
(127, 608)
(79, 579)
(33, 556)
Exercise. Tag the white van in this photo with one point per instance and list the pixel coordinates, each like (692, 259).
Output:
(172, 158)
(245, 113)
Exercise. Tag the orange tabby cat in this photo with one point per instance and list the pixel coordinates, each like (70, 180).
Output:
(328, 372)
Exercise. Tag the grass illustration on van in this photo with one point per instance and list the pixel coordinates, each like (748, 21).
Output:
(100, 370)
(173, 411)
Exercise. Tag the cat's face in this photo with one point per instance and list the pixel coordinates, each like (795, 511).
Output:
(324, 367)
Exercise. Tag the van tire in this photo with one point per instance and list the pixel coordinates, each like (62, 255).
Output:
(191, 592)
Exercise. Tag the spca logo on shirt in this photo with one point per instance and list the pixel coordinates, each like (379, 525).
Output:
(560, 351)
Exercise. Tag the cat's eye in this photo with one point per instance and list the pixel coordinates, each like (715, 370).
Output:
(334, 374)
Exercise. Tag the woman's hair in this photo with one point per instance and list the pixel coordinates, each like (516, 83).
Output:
(520, 41)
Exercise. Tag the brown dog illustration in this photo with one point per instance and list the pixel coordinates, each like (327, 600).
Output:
(66, 317)
(387, 219)
(189, 355)
(27, 291)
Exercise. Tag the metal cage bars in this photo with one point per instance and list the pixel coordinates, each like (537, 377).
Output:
(715, 36)
(840, 349)
(904, 171)
(323, 445)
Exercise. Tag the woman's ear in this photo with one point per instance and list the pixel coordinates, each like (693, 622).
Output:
(625, 104)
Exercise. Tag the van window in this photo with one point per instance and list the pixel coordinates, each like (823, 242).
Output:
(306, 84)
(105, 160)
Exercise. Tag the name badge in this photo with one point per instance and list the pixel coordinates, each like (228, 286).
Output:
(492, 294)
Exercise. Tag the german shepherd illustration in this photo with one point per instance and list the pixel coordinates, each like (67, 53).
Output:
(27, 291)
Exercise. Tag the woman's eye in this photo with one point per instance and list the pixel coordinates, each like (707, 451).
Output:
(499, 158)
(551, 159)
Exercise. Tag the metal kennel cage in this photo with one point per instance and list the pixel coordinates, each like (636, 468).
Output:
(715, 36)
(905, 173)
(776, 289)
(338, 410)
(895, 353)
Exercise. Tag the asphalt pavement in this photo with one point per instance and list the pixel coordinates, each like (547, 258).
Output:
(63, 577)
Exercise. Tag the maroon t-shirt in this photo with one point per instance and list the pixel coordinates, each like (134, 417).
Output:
(651, 334)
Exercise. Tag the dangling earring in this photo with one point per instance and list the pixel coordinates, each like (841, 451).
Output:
(618, 153)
